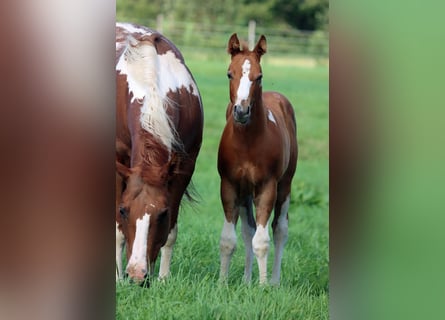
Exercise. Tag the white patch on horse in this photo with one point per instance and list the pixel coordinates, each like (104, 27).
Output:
(227, 245)
(119, 45)
(120, 242)
(166, 253)
(150, 78)
(260, 244)
(270, 116)
(175, 76)
(138, 259)
(140, 63)
(244, 85)
(132, 28)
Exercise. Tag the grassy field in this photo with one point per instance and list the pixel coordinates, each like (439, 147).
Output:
(193, 291)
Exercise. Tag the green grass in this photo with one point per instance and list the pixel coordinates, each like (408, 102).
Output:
(193, 290)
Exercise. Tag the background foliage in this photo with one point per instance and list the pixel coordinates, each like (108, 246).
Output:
(302, 14)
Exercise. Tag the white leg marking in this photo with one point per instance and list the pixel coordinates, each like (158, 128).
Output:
(280, 236)
(244, 85)
(120, 242)
(260, 243)
(227, 245)
(247, 233)
(166, 253)
(137, 265)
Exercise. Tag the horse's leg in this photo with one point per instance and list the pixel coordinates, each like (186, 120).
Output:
(248, 230)
(177, 192)
(120, 238)
(227, 243)
(280, 229)
(264, 202)
(120, 243)
(166, 253)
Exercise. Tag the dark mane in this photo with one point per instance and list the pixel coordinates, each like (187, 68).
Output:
(155, 165)
(159, 166)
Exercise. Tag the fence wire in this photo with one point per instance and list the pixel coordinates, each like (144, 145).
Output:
(211, 39)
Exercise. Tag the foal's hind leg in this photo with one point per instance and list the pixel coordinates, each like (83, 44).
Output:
(248, 230)
(264, 202)
(280, 231)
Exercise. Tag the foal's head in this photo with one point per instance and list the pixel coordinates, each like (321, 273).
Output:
(245, 77)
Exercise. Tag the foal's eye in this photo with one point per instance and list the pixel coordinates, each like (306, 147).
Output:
(260, 76)
(229, 75)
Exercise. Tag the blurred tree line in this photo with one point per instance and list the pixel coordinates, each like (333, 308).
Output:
(300, 14)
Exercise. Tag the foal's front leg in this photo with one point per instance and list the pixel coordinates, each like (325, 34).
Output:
(264, 202)
(247, 231)
(227, 243)
(166, 253)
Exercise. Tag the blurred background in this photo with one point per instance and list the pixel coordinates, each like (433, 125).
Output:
(390, 262)
(297, 28)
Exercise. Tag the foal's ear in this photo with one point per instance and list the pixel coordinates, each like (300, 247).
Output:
(234, 46)
(124, 171)
(261, 46)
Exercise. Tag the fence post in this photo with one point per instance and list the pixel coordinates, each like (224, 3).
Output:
(159, 23)
(251, 36)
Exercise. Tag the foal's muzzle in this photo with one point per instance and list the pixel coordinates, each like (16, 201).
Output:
(241, 114)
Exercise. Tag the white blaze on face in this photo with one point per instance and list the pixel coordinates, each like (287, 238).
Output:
(244, 85)
(138, 259)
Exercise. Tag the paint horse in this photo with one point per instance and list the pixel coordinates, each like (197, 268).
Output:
(159, 124)
(257, 160)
